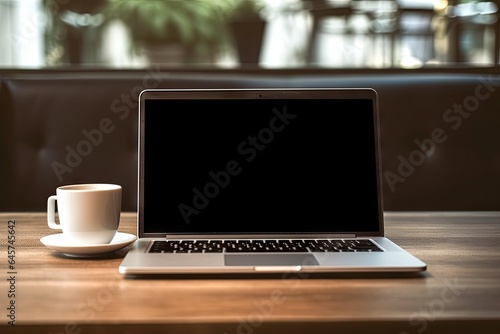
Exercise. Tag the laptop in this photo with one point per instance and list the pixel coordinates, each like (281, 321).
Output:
(261, 181)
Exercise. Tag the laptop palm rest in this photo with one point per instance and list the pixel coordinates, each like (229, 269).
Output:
(270, 260)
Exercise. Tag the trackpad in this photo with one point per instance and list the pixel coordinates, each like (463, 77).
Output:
(270, 260)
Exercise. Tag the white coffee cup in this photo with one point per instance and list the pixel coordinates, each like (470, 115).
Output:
(88, 213)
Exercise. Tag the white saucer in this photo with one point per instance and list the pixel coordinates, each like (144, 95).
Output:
(58, 243)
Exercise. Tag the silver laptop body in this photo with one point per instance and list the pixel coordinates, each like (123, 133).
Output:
(261, 181)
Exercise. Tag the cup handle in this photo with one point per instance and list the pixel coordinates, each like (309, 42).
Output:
(51, 213)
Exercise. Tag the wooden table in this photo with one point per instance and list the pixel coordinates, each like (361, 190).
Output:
(460, 292)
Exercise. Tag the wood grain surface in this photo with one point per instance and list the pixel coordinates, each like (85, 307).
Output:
(459, 293)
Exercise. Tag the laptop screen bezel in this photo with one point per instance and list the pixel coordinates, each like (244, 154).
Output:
(249, 93)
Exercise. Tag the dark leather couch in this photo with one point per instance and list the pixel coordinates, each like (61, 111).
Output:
(440, 130)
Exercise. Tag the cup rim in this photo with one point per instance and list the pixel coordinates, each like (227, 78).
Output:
(86, 187)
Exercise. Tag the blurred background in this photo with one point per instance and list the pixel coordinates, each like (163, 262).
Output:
(248, 33)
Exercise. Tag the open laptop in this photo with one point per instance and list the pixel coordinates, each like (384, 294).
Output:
(261, 181)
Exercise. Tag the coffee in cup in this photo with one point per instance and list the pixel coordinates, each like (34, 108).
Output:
(87, 213)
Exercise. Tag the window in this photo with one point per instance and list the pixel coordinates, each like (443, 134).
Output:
(217, 34)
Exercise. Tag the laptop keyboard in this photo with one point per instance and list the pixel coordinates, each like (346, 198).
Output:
(273, 246)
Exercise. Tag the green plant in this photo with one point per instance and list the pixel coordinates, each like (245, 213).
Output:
(198, 25)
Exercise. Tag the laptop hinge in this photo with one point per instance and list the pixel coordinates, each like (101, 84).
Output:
(260, 236)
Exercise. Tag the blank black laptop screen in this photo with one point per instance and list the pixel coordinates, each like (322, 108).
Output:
(259, 166)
